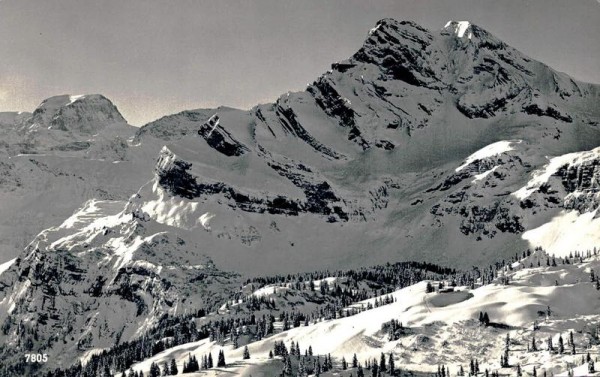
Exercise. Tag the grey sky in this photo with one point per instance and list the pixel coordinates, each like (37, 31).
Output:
(153, 58)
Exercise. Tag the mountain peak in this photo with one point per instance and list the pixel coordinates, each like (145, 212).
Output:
(459, 28)
(83, 112)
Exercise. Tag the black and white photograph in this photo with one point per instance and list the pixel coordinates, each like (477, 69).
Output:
(299, 188)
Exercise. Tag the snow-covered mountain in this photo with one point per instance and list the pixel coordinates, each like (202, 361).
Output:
(394, 151)
(445, 146)
(69, 150)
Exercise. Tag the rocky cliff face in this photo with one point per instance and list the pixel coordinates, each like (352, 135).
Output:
(427, 145)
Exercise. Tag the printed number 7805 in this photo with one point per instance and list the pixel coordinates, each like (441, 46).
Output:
(36, 358)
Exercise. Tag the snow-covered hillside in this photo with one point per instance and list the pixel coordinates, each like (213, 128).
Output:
(444, 328)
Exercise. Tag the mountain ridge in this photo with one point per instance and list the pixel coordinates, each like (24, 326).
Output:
(416, 147)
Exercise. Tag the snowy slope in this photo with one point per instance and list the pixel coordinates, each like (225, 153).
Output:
(442, 328)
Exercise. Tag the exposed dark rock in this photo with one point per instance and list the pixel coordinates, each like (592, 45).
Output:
(218, 138)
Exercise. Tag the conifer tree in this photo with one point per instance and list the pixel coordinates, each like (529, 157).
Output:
(374, 369)
(360, 372)
(561, 345)
(154, 370)
(382, 365)
(486, 319)
(221, 360)
(301, 368)
(174, 370)
(246, 353)
(287, 366)
(354, 361)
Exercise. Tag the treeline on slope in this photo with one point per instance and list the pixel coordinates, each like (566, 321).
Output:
(255, 318)
(252, 318)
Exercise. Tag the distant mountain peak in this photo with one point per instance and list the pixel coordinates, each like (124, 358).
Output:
(82, 113)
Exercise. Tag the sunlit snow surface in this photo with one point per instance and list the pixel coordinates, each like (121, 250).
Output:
(489, 151)
(541, 176)
(205, 220)
(482, 176)
(460, 27)
(6, 265)
(566, 232)
(75, 98)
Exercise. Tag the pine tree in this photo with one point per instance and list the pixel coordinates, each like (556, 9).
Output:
(382, 365)
(392, 366)
(209, 364)
(165, 369)
(193, 364)
(221, 360)
(174, 370)
(591, 367)
(561, 345)
(246, 353)
(534, 372)
(429, 287)
(344, 363)
(287, 366)
(270, 354)
(519, 372)
(301, 368)
(533, 345)
(504, 360)
(354, 361)
(374, 369)
(360, 372)
(154, 370)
